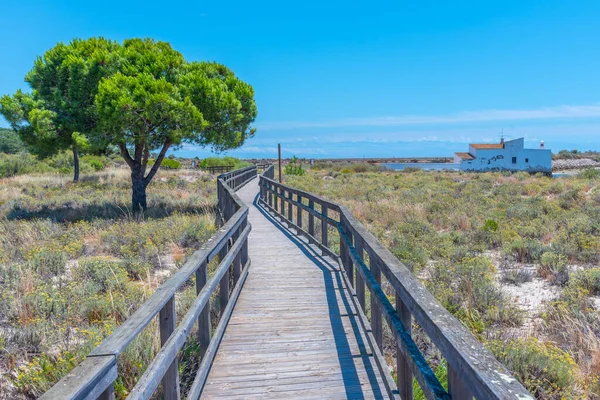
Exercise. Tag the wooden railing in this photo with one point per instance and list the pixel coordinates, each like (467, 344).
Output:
(472, 370)
(95, 376)
(218, 169)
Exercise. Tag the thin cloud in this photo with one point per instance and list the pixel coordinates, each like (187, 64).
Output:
(559, 112)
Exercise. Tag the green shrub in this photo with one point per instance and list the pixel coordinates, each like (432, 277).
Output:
(294, 167)
(49, 262)
(236, 163)
(20, 164)
(10, 142)
(96, 163)
(552, 264)
(490, 225)
(544, 369)
(590, 173)
(109, 275)
(588, 279)
(170, 164)
(524, 250)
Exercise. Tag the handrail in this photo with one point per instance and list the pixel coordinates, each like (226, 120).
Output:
(94, 377)
(472, 369)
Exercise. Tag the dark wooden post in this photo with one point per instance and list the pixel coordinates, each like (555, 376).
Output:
(349, 264)
(204, 318)
(167, 325)
(109, 393)
(311, 218)
(269, 194)
(457, 389)
(324, 226)
(299, 211)
(290, 207)
(375, 312)
(360, 283)
(224, 291)
(404, 376)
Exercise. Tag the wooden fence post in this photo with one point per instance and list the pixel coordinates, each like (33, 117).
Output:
(360, 283)
(349, 263)
(299, 211)
(167, 325)
(457, 389)
(404, 376)
(311, 218)
(109, 393)
(204, 318)
(224, 291)
(375, 312)
(290, 210)
(324, 226)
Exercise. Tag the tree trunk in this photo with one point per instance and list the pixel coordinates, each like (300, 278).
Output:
(139, 182)
(138, 196)
(75, 164)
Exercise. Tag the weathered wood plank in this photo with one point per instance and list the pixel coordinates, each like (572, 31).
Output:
(294, 317)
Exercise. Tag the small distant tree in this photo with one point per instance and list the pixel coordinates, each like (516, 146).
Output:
(10, 142)
(60, 112)
(157, 101)
(294, 167)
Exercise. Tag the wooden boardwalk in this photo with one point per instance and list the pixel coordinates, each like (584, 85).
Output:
(294, 332)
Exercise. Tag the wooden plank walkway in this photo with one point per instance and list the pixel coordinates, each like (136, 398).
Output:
(294, 332)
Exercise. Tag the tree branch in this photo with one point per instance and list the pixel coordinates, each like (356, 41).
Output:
(157, 162)
(125, 154)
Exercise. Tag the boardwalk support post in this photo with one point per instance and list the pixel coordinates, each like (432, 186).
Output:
(204, 319)
(404, 376)
(167, 325)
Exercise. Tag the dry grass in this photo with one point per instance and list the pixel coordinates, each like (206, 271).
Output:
(75, 263)
(444, 225)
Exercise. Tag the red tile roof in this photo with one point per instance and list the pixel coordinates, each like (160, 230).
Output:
(465, 156)
(488, 146)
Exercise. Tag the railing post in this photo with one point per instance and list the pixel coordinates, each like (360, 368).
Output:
(404, 376)
(375, 312)
(224, 291)
(204, 318)
(360, 283)
(345, 256)
(457, 389)
(349, 264)
(109, 393)
(311, 218)
(269, 193)
(299, 211)
(237, 261)
(290, 208)
(324, 226)
(167, 325)
(281, 199)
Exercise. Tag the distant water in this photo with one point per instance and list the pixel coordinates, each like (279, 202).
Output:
(444, 166)
(425, 166)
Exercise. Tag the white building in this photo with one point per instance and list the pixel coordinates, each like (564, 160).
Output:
(510, 155)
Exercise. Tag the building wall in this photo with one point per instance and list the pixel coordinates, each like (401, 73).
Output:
(530, 160)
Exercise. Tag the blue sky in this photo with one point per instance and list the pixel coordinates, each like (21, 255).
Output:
(354, 79)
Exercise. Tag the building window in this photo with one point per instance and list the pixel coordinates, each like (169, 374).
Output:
(527, 160)
(514, 160)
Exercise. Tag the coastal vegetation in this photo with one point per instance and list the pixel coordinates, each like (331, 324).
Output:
(75, 262)
(513, 256)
